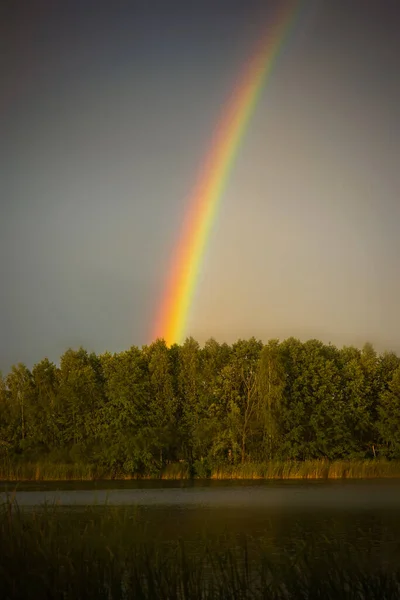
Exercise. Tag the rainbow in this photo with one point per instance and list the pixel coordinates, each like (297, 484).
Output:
(206, 198)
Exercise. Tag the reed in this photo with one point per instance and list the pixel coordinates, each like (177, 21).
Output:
(310, 469)
(103, 554)
(176, 471)
(46, 471)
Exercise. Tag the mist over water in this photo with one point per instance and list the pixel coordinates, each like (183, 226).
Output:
(371, 495)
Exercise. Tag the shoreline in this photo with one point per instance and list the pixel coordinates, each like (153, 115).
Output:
(293, 470)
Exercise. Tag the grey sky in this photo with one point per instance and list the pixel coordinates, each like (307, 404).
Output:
(106, 115)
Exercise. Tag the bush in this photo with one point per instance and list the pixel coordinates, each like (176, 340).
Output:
(201, 469)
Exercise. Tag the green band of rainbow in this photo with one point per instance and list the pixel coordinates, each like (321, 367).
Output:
(207, 196)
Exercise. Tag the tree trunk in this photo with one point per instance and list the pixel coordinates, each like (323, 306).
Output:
(22, 418)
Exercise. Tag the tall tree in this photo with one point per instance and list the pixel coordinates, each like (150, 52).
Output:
(46, 415)
(6, 437)
(388, 423)
(162, 407)
(189, 405)
(271, 386)
(361, 391)
(80, 394)
(126, 411)
(21, 388)
(241, 392)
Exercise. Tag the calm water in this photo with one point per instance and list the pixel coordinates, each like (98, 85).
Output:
(363, 513)
(248, 496)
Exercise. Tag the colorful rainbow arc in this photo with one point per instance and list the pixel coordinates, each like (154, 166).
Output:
(204, 203)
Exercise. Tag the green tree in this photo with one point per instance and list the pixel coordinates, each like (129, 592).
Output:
(6, 436)
(389, 417)
(240, 393)
(210, 434)
(46, 414)
(80, 394)
(271, 386)
(312, 409)
(21, 392)
(125, 414)
(361, 392)
(190, 409)
(162, 407)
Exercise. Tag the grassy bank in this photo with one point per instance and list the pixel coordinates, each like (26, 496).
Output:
(48, 471)
(66, 555)
(313, 469)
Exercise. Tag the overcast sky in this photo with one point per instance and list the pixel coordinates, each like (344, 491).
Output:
(107, 110)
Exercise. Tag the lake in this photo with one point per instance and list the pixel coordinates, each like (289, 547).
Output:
(365, 513)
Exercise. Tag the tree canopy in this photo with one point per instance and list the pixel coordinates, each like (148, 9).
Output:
(135, 411)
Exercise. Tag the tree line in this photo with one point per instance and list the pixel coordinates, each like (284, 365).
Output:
(135, 411)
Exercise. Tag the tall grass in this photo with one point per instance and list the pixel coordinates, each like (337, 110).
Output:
(61, 554)
(311, 469)
(43, 471)
(176, 471)
(49, 471)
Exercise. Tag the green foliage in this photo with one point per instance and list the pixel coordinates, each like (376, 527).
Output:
(137, 412)
(389, 416)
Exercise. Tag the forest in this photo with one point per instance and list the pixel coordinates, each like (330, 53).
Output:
(135, 412)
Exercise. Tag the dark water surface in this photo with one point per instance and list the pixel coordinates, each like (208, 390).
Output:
(249, 496)
(364, 513)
